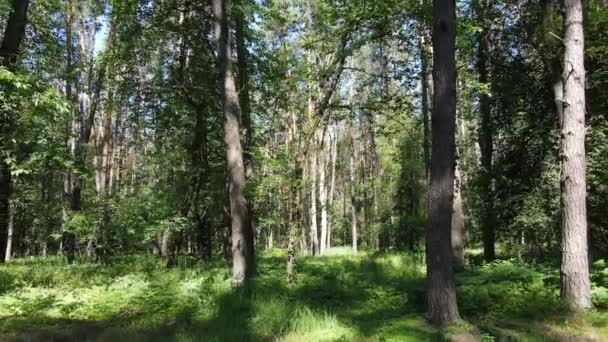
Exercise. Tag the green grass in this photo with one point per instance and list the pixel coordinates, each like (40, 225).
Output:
(339, 297)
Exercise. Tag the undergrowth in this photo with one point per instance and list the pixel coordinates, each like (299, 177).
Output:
(340, 297)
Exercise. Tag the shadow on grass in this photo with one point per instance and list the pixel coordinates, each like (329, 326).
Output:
(373, 295)
(370, 298)
(335, 298)
(232, 322)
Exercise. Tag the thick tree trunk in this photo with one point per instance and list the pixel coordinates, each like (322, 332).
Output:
(486, 144)
(442, 306)
(575, 283)
(14, 33)
(242, 233)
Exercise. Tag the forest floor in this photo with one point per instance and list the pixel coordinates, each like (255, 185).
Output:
(369, 297)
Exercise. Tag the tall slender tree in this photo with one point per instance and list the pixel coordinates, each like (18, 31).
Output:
(322, 166)
(353, 188)
(575, 282)
(442, 306)
(486, 140)
(240, 22)
(242, 234)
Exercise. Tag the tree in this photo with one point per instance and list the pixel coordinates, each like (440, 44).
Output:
(242, 234)
(14, 31)
(353, 188)
(575, 282)
(458, 222)
(240, 23)
(486, 139)
(441, 292)
(13, 36)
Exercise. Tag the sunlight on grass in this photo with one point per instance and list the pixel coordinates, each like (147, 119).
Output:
(342, 297)
(306, 325)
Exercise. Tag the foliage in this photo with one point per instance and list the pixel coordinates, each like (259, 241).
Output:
(339, 83)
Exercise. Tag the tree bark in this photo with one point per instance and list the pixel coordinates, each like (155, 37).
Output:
(312, 173)
(102, 172)
(334, 156)
(458, 223)
(486, 144)
(575, 282)
(69, 200)
(11, 231)
(294, 197)
(441, 296)
(5, 194)
(294, 221)
(550, 48)
(353, 190)
(426, 95)
(243, 85)
(242, 233)
(14, 33)
(323, 196)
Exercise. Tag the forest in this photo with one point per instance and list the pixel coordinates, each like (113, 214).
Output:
(303, 170)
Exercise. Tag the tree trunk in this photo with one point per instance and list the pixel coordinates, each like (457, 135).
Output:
(458, 224)
(353, 189)
(334, 156)
(550, 49)
(294, 220)
(68, 237)
(14, 33)
(294, 197)
(313, 232)
(486, 144)
(425, 80)
(323, 196)
(5, 194)
(81, 127)
(243, 85)
(270, 240)
(373, 164)
(242, 234)
(102, 172)
(200, 161)
(11, 231)
(575, 283)
(442, 306)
